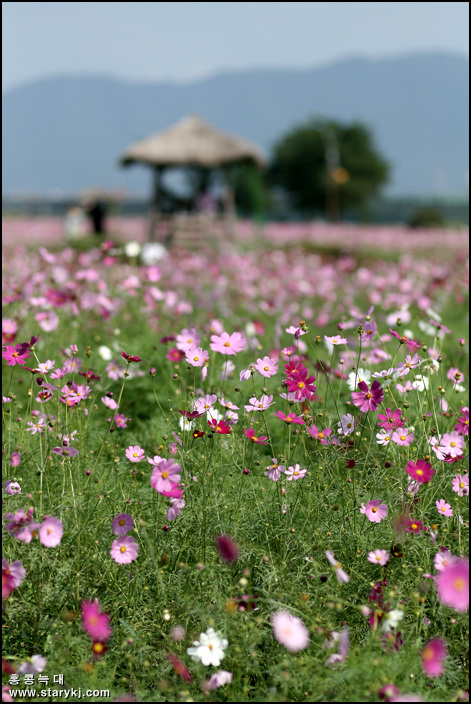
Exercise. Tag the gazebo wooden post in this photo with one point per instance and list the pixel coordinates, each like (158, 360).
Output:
(154, 212)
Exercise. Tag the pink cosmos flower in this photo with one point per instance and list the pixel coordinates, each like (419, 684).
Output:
(403, 437)
(375, 511)
(433, 656)
(442, 559)
(346, 426)
(342, 577)
(452, 444)
(250, 434)
(204, 404)
(115, 371)
(94, 622)
(188, 339)
(275, 470)
(165, 476)
(453, 585)
(21, 526)
(196, 356)
(404, 340)
(51, 532)
(443, 508)
(462, 425)
(175, 509)
(134, 453)
(13, 357)
(461, 484)
(65, 451)
(296, 331)
(12, 488)
(219, 679)
(335, 340)
(291, 418)
(378, 557)
(320, 435)
(120, 421)
(294, 473)
(34, 665)
(15, 459)
(343, 639)
(290, 631)
(368, 399)
(421, 471)
(124, 550)
(435, 443)
(122, 524)
(109, 402)
(227, 548)
(228, 344)
(12, 576)
(266, 366)
(260, 404)
(455, 375)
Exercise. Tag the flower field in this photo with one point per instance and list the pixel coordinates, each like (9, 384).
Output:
(238, 474)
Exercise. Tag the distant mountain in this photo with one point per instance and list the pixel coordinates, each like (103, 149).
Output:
(67, 133)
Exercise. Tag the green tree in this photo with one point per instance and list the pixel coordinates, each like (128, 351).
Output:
(328, 167)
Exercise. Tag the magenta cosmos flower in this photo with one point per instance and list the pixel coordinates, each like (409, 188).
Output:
(453, 585)
(266, 366)
(227, 548)
(378, 557)
(166, 476)
(228, 344)
(134, 453)
(375, 511)
(122, 524)
(51, 532)
(433, 656)
(129, 358)
(421, 471)
(368, 399)
(391, 420)
(320, 435)
(219, 427)
(124, 550)
(250, 434)
(300, 383)
(414, 526)
(95, 623)
(12, 576)
(14, 356)
(405, 340)
(290, 418)
(443, 508)
(462, 425)
(461, 484)
(290, 631)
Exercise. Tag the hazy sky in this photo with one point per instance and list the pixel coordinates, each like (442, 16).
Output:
(185, 40)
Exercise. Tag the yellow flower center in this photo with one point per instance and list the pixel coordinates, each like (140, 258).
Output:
(98, 648)
(378, 557)
(211, 646)
(301, 385)
(134, 454)
(428, 653)
(123, 548)
(419, 472)
(122, 522)
(227, 344)
(164, 475)
(414, 526)
(266, 369)
(442, 508)
(459, 584)
(374, 509)
(368, 395)
(462, 485)
(320, 435)
(196, 359)
(453, 444)
(403, 437)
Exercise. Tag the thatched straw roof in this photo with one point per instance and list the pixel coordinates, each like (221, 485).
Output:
(192, 142)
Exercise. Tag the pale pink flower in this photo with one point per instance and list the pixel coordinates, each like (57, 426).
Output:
(290, 631)
(51, 531)
(453, 585)
(134, 453)
(442, 559)
(219, 679)
(260, 404)
(228, 344)
(109, 402)
(335, 340)
(33, 666)
(196, 356)
(378, 557)
(275, 470)
(205, 403)
(11, 487)
(46, 367)
(403, 437)
(124, 550)
(266, 366)
(452, 444)
(460, 484)
(165, 476)
(343, 639)
(443, 508)
(339, 572)
(175, 508)
(187, 339)
(294, 473)
(375, 511)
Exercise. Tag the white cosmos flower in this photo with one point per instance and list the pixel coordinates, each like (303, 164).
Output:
(355, 377)
(421, 383)
(392, 619)
(105, 353)
(132, 249)
(186, 423)
(209, 649)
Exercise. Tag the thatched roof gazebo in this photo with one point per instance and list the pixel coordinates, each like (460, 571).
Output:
(191, 142)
